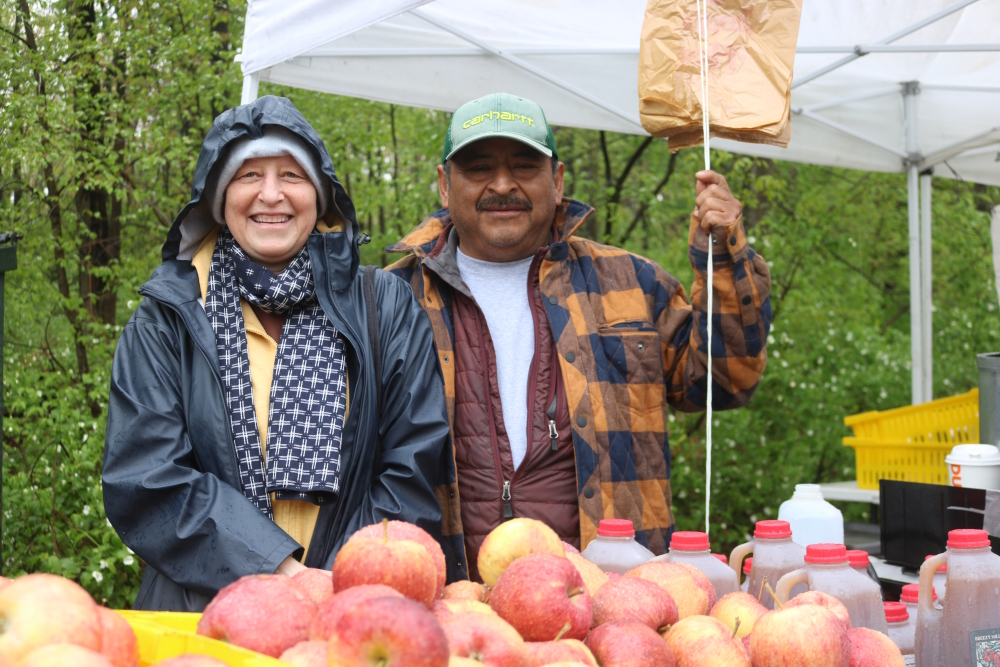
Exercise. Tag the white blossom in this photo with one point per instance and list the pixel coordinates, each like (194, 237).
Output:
(98, 577)
(86, 510)
(128, 560)
(104, 564)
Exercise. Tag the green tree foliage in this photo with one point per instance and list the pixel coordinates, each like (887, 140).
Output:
(103, 107)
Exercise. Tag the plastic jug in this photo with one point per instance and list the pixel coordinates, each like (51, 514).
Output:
(774, 555)
(747, 569)
(897, 618)
(615, 549)
(828, 570)
(909, 596)
(940, 580)
(813, 520)
(974, 603)
(861, 563)
(693, 547)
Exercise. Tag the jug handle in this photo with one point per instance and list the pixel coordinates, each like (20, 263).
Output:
(787, 582)
(925, 602)
(736, 557)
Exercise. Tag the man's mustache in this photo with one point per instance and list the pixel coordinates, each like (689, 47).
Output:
(503, 201)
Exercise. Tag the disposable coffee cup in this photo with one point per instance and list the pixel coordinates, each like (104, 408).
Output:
(974, 466)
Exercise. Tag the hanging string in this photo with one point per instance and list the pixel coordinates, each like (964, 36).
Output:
(702, 6)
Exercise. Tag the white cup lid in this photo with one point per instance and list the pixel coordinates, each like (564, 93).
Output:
(984, 455)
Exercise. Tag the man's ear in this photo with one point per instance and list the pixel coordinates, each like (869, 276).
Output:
(443, 186)
(560, 183)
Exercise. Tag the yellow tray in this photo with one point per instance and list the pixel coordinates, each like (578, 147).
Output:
(909, 444)
(165, 635)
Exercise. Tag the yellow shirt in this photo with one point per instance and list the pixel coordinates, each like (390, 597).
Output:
(295, 517)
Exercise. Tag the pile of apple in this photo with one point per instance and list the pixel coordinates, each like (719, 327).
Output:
(542, 604)
(386, 605)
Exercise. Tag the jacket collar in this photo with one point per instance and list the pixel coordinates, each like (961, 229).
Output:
(430, 233)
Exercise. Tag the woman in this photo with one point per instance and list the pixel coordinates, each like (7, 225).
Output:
(244, 433)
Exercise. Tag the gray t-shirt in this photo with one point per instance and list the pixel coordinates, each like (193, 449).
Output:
(501, 290)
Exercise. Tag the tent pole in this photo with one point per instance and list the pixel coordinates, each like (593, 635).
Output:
(910, 91)
(926, 292)
(251, 83)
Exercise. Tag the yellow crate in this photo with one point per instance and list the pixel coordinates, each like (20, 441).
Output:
(165, 635)
(909, 444)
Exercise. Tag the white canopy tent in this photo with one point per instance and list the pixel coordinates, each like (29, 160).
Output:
(880, 85)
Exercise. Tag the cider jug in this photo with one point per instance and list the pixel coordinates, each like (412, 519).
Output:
(828, 570)
(615, 549)
(693, 548)
(973, 603)
(897, 618)
(774, 555)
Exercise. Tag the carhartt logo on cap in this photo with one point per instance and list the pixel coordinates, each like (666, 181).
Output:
(499, 115)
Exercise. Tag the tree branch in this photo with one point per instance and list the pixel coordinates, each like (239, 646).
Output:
(641, 211)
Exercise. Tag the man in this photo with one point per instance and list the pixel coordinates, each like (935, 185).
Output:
(244, 433)
(559, 354)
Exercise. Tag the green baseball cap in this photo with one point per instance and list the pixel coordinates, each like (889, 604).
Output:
(499, 115)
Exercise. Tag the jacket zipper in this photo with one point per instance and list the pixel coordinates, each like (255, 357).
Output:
(532, 273)
(553, 433)
(507, 511)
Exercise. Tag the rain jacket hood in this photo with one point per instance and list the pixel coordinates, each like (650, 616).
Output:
(195, 220)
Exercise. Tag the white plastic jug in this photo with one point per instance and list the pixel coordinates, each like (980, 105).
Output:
(615, 549)
(813, 520)
(775, 555)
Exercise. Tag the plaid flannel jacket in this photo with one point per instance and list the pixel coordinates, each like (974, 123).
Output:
(630, 344)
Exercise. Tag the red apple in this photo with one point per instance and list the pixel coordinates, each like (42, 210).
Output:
(445, 609)
(466, 590)
(388, 631)
(64, 655)
(593, 577)
(702, 641)
(634, 599)
(404, 565)
(539, 594)
(317, 584)
(541, 654)
(39, 609)
(486, 638)
(870, 648)
(118, 642)
(310, 653)
(266, 613)
(570, 549)
(400, 530)
(704, 583)
(629, 644)
(330, 611)
(738, 605)
(804, 636)
(690, 598)
(191, 660)
(4, 581)
(823, 600)
(511, 540)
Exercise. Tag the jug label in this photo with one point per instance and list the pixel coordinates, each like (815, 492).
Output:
(910, 660)
(985, 647)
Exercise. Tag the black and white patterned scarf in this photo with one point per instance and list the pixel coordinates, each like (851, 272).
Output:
(308, 391)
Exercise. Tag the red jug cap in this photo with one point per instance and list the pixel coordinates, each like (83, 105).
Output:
(615, 528)
(689, 540)
(911, 593)
(722, 559)
(943, 568)
(965, 538)
(747, 565)
(895, 612)
(772, 529)
(826, 554)
(858, 558)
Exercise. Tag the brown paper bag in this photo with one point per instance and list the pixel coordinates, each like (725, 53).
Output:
(751, 50)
